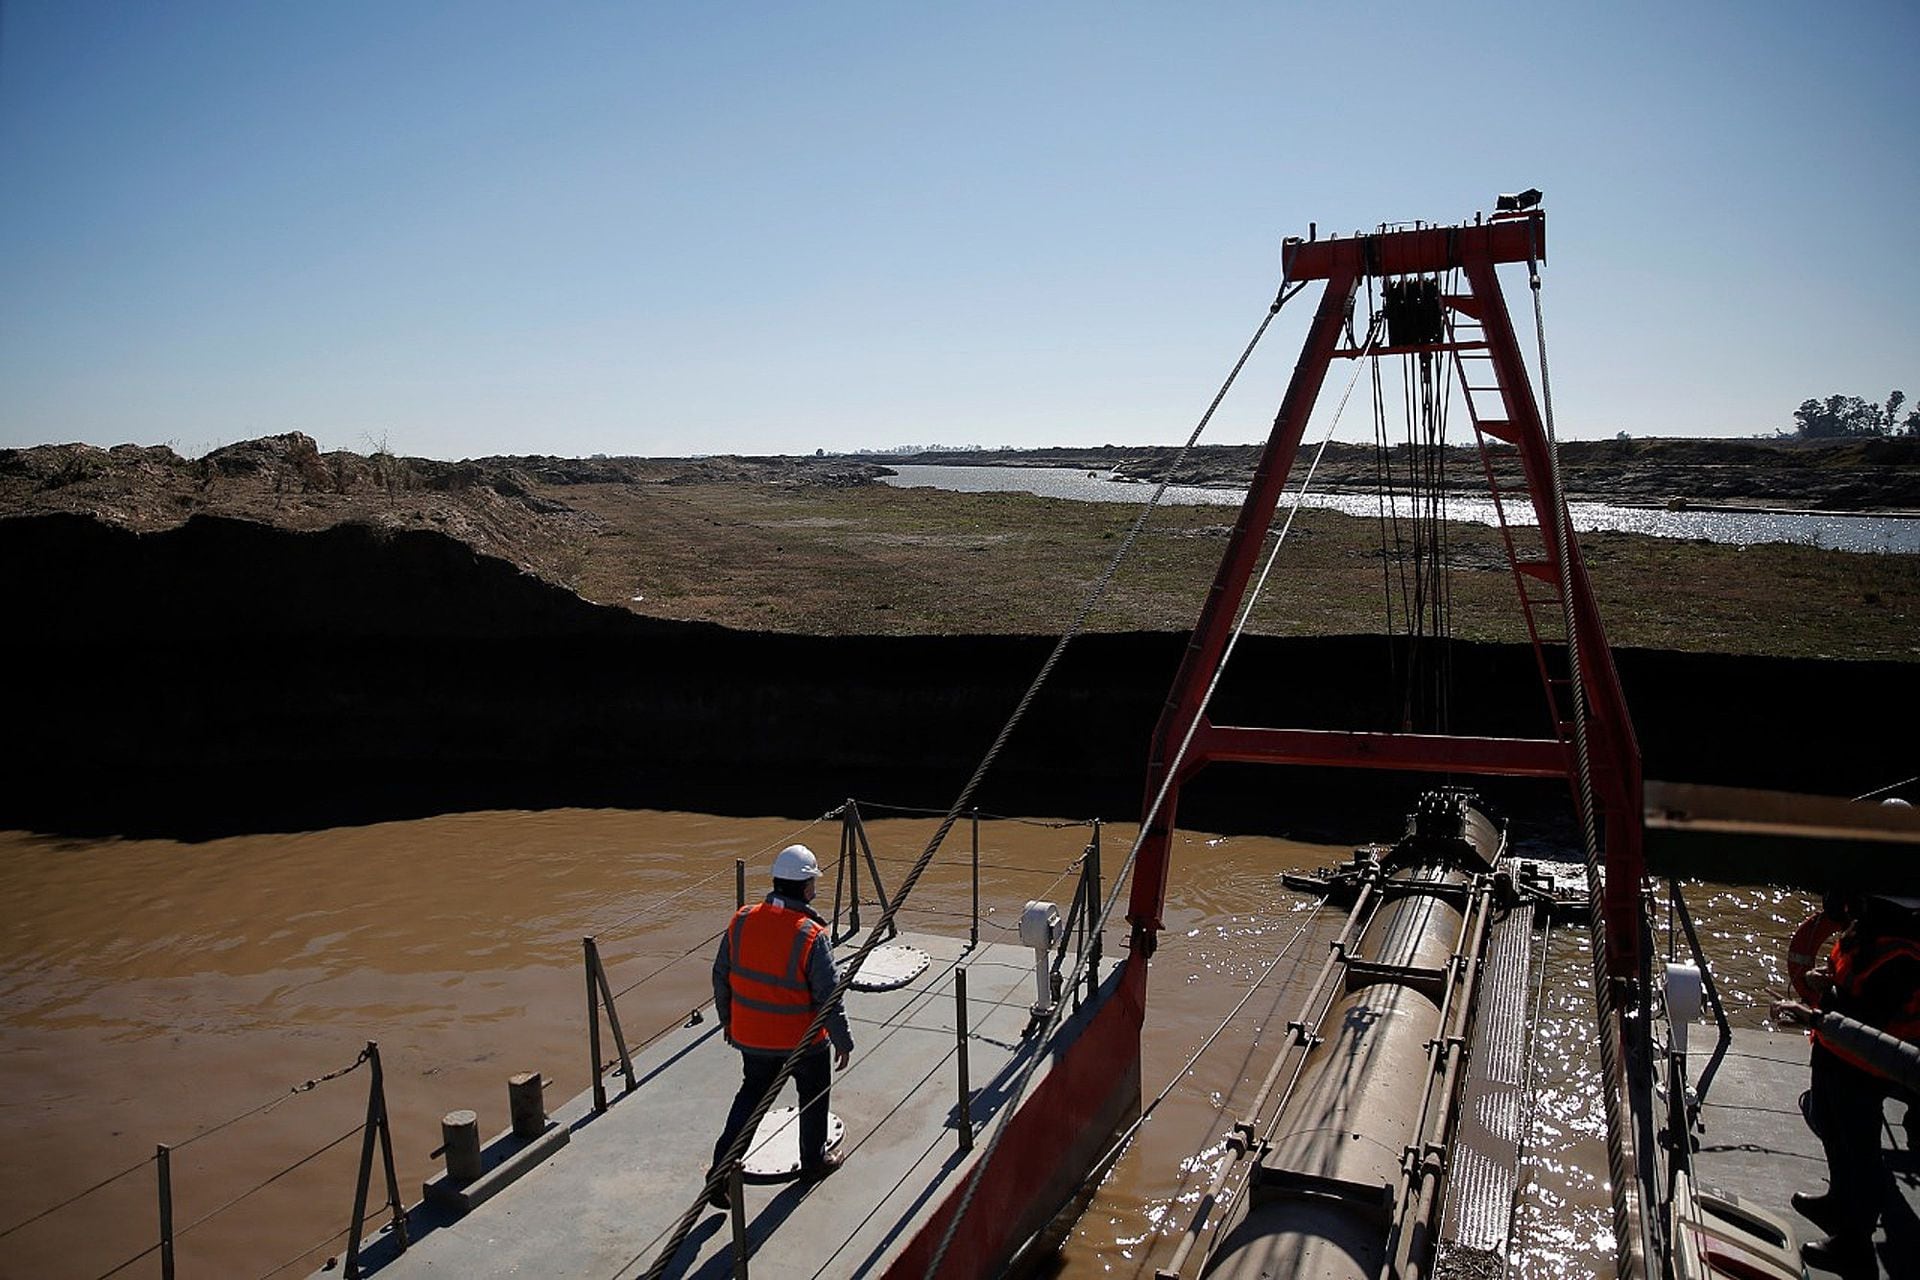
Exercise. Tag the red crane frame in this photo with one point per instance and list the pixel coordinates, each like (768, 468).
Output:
(1475, 250)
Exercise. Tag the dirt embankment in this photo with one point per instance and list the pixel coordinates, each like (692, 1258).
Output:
(226, 676)
(1850, 475)
(513, 508)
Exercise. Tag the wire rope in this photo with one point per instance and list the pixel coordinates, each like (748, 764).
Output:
(1126, 1135)
(1093, 598)
(1018, 1091)
(312, 1248)
(306, 1086)
(1880, 791)
(653, 908)
(1609, 1046)
(308, 1158)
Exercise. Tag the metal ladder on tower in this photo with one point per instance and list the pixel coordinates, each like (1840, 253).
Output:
(1536, 574)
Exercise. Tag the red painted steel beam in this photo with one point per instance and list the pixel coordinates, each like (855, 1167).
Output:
(1412, 752)
(1218, 613)
(1613, 749)
(1401, 253)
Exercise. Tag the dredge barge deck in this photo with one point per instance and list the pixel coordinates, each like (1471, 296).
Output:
(603, 1205)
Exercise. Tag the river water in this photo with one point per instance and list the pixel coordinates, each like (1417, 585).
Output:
(1834, 532)
(151, 990)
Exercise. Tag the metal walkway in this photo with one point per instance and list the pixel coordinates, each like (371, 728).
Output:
(1755, 1144)
(599, 1207)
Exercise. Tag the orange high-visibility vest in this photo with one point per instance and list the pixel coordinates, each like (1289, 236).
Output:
(1852, 966)
(769, 947)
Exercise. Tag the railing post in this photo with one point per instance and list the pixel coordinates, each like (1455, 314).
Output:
(376, 1127)
(739, 882)
(593, 1027)
(850, 858)
(960, 1038)
(162, 1155)
(1093, 911)
(973, 929)
(379, 1087)
(737, 1197)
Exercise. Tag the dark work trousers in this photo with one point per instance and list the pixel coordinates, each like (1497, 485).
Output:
(1845, 1108)
(811, 1075)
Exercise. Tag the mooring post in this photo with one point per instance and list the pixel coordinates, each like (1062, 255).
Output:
(737, 1197)
(593, 1028)
(973, 929)
(739, 882)
(960, 1039)
(163, 1160)
(527, 1104)
(460, 1137)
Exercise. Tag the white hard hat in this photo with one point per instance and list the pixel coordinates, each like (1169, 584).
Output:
(796, 862)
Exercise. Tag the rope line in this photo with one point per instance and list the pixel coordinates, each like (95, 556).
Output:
(1018, 1092)
(306, 1086)
(154, 1247)
(312, 1248)
(1126, 1135)
(1617, 1171)
(653, 908)
(707, 941)
(1052, 824)
(962, 802)
(310, 1156)
(1880, 791)
(79, 1195)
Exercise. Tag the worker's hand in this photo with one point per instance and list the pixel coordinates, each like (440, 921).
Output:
(840, 1059)
(1791, 1013)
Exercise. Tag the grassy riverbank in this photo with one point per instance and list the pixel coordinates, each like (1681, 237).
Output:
(814, 546)
(877, 560)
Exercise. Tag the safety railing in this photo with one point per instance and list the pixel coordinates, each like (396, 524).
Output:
(859, 880)
(852, 888)
(374, 1130)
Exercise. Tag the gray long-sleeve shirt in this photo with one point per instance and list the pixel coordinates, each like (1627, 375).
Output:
(822, 976)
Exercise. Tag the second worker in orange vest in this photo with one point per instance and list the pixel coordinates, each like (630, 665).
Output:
(773, 973)
(1872, 976)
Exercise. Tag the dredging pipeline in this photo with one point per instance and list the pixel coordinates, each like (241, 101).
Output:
(1339, 1170)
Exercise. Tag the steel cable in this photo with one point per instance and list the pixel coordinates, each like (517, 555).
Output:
(1146, 824)
(685, 1225)
(306, 1086)
(653, 908)
(312, 1248)
(309, 1157)
(1609, 1046)
(1114, 1148)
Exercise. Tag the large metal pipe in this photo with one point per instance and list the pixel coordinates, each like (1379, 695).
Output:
(1345, 1180)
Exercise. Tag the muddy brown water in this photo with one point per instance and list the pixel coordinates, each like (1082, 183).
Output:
(152, 990)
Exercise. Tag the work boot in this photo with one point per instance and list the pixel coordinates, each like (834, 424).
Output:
(1822, 1210)
(1846, 1255)
(827, 1164)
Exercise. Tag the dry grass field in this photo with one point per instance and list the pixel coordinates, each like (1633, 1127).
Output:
(878, 560)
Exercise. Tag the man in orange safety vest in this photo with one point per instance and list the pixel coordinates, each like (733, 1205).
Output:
(1872, 975)
(773, 973)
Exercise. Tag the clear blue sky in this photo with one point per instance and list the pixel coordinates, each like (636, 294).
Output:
(674, 228)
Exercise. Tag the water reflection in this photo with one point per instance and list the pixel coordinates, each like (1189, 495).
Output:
(1833, 532)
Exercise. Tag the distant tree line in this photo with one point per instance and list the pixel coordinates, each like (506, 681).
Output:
(1842, 417)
